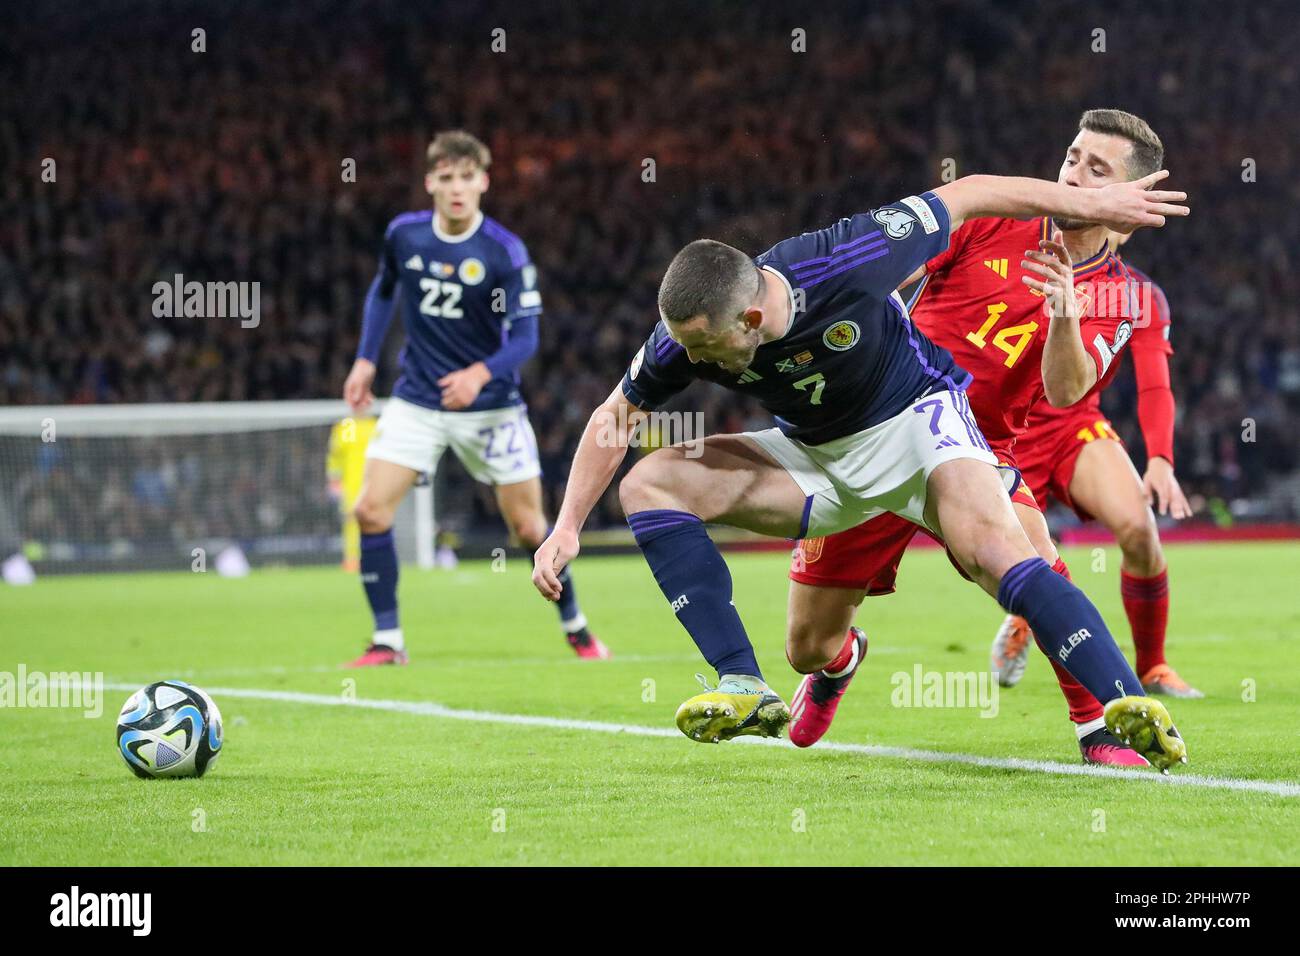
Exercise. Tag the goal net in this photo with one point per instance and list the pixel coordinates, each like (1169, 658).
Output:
(178, 486)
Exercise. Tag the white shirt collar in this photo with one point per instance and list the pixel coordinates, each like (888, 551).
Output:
(460, 237)
(790, 292)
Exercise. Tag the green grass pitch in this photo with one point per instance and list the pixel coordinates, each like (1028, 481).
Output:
(304, 783)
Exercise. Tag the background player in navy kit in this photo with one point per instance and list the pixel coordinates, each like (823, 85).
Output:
(872, 419)
(470, 305)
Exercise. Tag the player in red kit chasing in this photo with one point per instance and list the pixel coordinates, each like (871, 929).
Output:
(1076, 456)
(983, 299)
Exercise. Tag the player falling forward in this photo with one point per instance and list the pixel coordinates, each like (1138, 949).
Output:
(470, 307)
(873, 419)
(1075, 455)
(994, 322)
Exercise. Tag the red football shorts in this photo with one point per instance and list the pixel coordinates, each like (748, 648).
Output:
(1048, 455)
(867, 557)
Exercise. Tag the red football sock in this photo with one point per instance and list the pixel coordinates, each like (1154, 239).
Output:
(1083, 706)
(1146, 602)
(843, 659)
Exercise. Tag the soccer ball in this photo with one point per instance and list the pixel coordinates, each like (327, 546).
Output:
(169, 729)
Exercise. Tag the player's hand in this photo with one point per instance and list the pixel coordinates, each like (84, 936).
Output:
(334, 488)
(1163, 491)
(356, 390)
(460, 388)
(1050, 262)
(559, 548)
(1128, 206)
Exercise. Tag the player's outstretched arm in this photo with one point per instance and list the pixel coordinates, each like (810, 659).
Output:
(1122, 207)
(1067, 369)
(600, 451)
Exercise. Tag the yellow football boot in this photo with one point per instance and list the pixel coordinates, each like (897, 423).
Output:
(1144, 724)
(739, 705)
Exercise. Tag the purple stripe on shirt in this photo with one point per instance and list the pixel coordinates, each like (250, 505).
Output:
(820, 271)
(920, 356)
(842, 246)
(665, 347)
(407, 218)
(853, 258)
(845, 267)
(812, 272)
(916, 292)
(514, 245)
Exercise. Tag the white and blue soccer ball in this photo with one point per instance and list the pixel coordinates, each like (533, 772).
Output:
(169, 729)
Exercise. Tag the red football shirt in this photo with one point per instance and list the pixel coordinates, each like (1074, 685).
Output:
(1151, 350)
(973, 303)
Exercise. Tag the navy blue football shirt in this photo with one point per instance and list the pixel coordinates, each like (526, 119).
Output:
(851, 358)
(458, 296)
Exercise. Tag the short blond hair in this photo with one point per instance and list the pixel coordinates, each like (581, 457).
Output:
(1148, 153)
(455, 145)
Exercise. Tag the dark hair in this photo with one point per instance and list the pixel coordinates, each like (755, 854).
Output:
(708, 278)
(455, 145)
(1148, 153)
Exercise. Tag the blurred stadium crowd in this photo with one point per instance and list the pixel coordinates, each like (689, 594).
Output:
(225, 165)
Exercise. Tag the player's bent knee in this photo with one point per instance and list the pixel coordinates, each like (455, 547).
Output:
(995, 550)
(1139, 539)
(812, 644)
(529, 530)
(810, 650)
(372, 518)
(632, 489)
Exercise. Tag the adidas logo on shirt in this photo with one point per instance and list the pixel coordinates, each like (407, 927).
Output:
(415, 262)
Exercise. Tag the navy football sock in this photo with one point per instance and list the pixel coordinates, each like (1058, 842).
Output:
(379, 577)
(571, 616)
(696, 581)
(1068, 627)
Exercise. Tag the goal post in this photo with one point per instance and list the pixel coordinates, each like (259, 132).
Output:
(86, 488)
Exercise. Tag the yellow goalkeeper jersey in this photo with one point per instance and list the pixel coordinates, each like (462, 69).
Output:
(346, 465)
(346, 462)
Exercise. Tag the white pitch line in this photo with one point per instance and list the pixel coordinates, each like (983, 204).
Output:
(1280, 788)
(564, 661)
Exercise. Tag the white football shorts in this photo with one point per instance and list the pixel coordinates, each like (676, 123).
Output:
(496, 446)
(882, 468)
